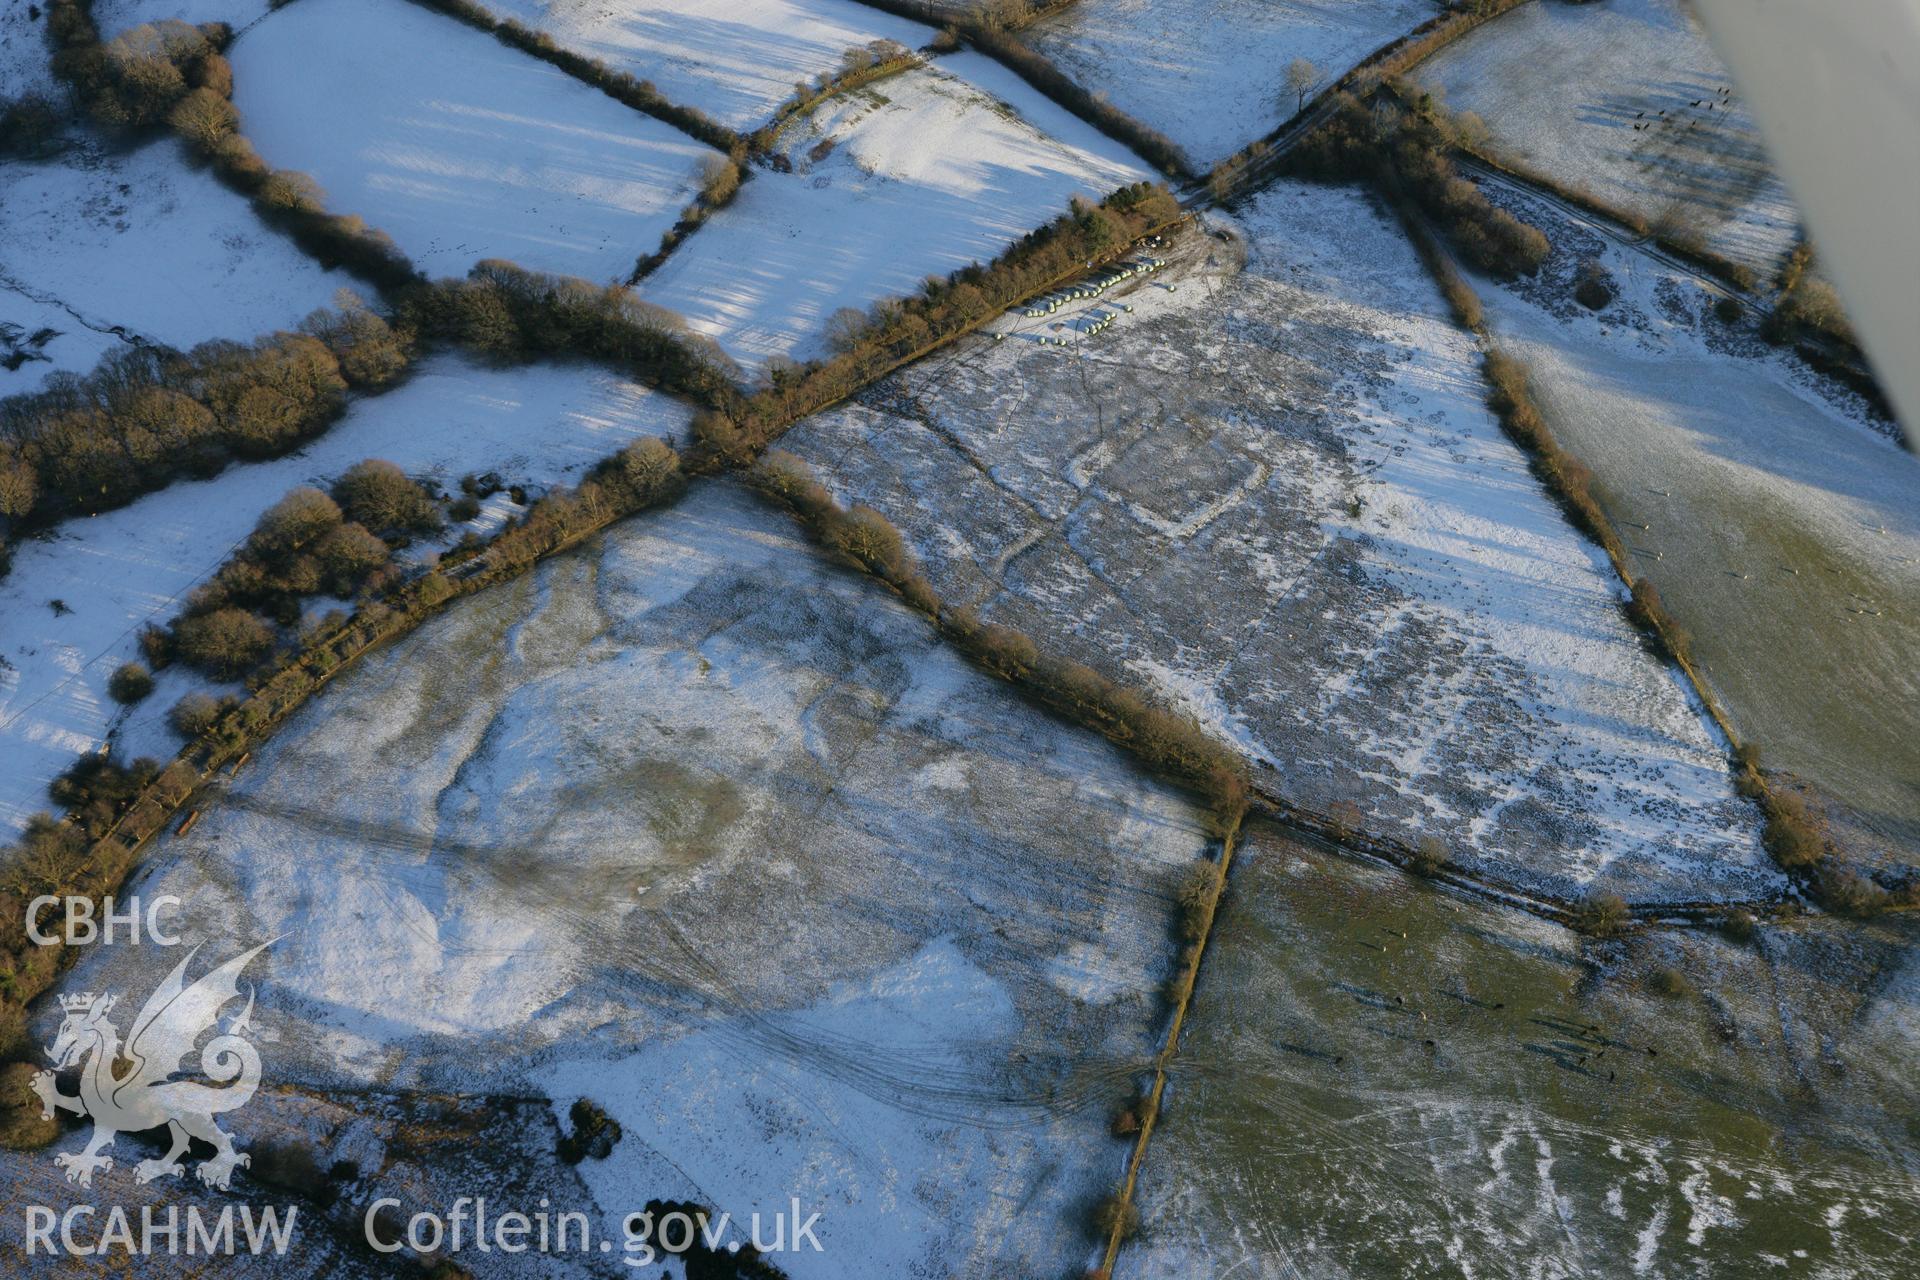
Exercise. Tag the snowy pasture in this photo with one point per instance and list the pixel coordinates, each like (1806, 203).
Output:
(1211, 74)
(115, 16)
(26, 59)
(457, 146)
(39, 336)
(1382, 1080)
(1273, 493)
(1778, 518)
(700, 826)
(915, 175)
(738, 61)
(1562, 88)
(117, 571)
(143, 241)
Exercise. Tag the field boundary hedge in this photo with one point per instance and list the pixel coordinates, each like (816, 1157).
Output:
(1793, 837)
(556, 523)
(846, 80)
(546, 316)
(194, 96)
(1228, 179)
(993, 30)
(623, 87)
(1170, 744)
(1122, 1217)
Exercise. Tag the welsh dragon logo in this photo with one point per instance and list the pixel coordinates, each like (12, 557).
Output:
(129, 1088)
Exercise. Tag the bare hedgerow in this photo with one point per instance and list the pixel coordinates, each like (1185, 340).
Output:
(1601, 915)
(19, 486)
(649, 466)
(1195, 896)
(1741, 926)
(870, 538)
(1114, 1213)
(1430, 856)
(370, 352)
(196, 713)
(1794, 835)
(288, 191)
(204, 118)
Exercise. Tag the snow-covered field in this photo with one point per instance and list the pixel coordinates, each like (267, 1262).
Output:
(1626, 99)
(1275, 495)
(38, 336)
(916, 175)
(122, 569)
(737, 61)
(115, 16)
(1780, 522)
(457, 146)
(145, 241)
(1381, 1080)
(1211, 74)
(25, 56)
(695, 824)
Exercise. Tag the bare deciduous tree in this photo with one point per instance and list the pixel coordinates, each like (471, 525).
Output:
(1302, 76)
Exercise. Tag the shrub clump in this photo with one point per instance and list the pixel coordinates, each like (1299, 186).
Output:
(1811, 306)
(1407, 155)
(225, 643)
(1114, 1214)
(594, 1132)
(1794, 835)
(21, 1125)
(1648, 612)
(134, 80)
(1601, 915)
(196, 713)
(1593, 287)
(130, 683)
(1195, 897)
(147, 415)
(1741, 926)
(1669, 981)
(1150, 144)
(300, 547)
(381, 498)
(29, 125)
(1130, 1116)
(1430, 857)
